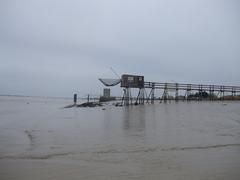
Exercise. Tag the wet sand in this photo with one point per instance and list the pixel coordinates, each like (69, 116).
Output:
(41, 140)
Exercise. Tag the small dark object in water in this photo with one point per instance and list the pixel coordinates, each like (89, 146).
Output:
(118, 104)
(103, 108)
(89, 104)
(106, 99)
(70, 106)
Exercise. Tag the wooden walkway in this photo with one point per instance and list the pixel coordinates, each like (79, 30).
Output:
(213, 91)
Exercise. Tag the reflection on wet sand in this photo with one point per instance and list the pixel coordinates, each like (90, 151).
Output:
(134, 119)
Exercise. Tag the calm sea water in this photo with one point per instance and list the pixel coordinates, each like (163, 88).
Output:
(39, 139)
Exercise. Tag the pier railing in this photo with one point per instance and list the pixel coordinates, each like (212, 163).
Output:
(192, 87)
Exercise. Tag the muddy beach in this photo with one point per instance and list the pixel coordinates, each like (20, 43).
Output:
(39, 139)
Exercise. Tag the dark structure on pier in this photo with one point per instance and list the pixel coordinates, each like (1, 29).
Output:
(132, 81)
(202, 92)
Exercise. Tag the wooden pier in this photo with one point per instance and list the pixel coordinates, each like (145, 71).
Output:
(181, 91)
(213, 92)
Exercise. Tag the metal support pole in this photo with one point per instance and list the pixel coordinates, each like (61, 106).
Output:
(213, 95)
(141, 96)
(126, 96)
(165, 93)
(88, 98)
(152, 95)
(188, 92)
(200, 92)
(176, 95)
(233, 93)
(223, 92)
(210, 93)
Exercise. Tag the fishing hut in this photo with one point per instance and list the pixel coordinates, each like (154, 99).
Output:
(132, 81)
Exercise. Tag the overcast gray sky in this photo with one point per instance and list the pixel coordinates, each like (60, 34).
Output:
(58, 47)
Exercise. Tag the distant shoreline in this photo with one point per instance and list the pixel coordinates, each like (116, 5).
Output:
(11, 95)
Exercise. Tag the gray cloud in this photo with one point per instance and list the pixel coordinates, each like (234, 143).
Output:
(57, 47)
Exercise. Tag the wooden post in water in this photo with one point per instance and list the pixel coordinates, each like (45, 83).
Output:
(75, 99)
